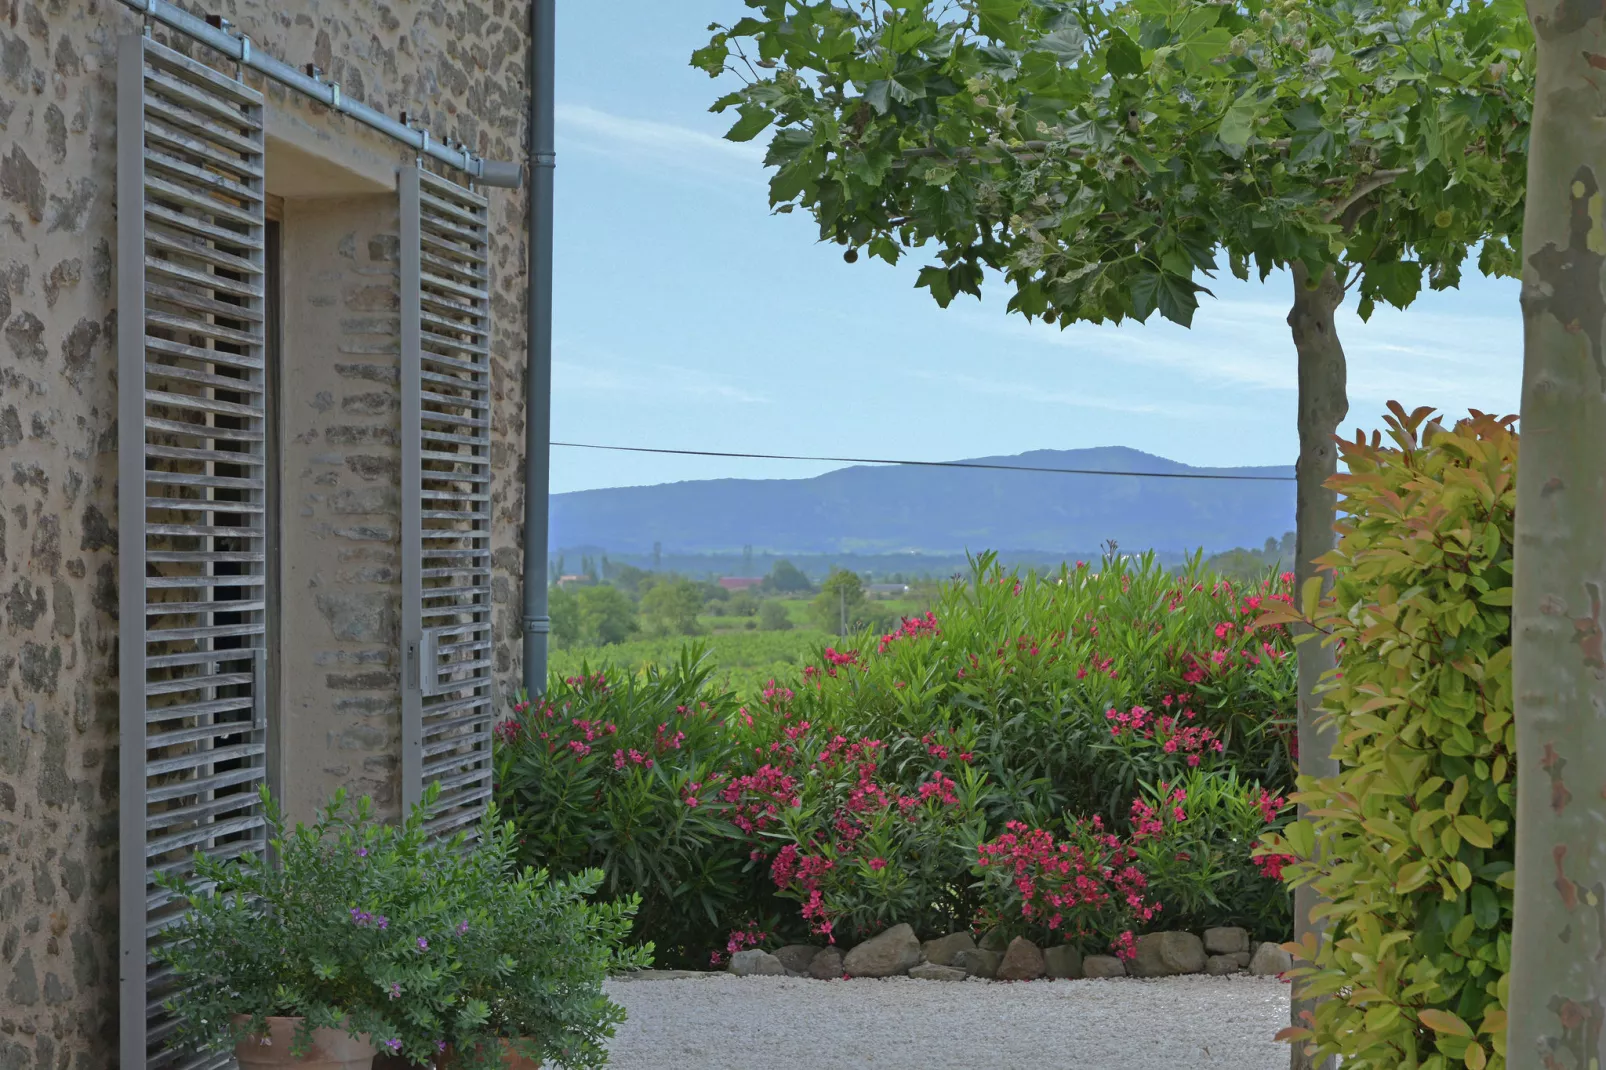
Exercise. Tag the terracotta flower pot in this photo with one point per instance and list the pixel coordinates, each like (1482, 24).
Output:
(511, 1059)
(331, 1049)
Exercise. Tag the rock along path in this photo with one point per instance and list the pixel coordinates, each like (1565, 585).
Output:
(722, 1022)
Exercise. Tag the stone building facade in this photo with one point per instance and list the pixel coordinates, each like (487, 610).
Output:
(457, 67)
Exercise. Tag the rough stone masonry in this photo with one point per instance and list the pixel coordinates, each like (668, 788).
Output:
(458, 67)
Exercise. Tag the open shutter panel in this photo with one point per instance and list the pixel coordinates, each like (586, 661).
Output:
(446, 497)
(192, 426)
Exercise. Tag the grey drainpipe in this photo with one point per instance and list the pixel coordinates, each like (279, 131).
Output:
(538, 376)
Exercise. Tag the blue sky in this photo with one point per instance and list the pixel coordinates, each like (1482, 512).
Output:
(688, 317)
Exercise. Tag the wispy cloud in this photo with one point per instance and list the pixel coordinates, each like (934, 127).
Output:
(1077, 398)
(1445, 356)
(618, 377)
(655, 144)
(1247, 356)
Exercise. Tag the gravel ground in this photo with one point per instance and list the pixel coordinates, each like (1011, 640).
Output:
(722, 1022)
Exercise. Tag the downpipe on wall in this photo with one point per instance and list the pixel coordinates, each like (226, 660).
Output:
(538, 373)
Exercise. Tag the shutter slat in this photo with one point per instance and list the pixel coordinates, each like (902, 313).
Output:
(197, 430)
(173, 269)
(186, 325)
(192, 247)
(189, 299)
(211, 356)
(191, 683)
(190, 375)
(176, 140)
(232, 778)
(185, 453)
(211, 757)
(175, 609)
(157, 714)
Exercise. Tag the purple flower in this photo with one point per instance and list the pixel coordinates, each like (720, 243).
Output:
(395, 990)
(462, 927)
(383, 921)
(394, 1044)
(362, 852)
(440, 1045)
(423, 945)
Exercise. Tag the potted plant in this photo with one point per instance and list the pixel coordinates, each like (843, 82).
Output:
(531, 952)
(325, 954)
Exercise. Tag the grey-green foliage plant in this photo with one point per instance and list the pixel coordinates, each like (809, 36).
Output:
(536, 955)
(383, 930)
(346, 914)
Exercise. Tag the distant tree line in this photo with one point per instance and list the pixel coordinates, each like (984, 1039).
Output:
(605, 602)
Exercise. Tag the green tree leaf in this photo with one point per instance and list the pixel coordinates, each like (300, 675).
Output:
(1238, 123)
(1067, 45)
(1123, 58)
(754, 118)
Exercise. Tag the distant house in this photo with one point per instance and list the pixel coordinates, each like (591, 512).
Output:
(574, 581)
(740, 583)
(887, 588)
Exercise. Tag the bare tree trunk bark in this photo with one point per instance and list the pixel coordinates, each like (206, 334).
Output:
(1323, 404)
(1557, 998)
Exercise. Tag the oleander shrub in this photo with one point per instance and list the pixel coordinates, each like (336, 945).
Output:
(620, 773)
(865, 788)
(1412, 842)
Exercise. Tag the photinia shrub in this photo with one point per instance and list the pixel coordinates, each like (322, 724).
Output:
(1412, 843)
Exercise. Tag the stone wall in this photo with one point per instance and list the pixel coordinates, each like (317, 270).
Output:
(340, 431)
(458, 66)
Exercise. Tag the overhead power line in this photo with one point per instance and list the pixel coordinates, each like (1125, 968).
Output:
(931, 464)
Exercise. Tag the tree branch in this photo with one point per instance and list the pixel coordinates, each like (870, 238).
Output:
(1368, 185)
(1025, 148)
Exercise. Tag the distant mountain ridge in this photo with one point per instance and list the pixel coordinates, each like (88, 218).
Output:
(890, 509)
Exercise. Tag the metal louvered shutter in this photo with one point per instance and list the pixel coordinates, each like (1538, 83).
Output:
(192, 425)
(446, 497)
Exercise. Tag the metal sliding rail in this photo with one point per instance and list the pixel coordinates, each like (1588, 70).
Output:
(503, 174)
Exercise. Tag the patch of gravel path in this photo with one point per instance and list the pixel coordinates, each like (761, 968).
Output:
(723, 1022)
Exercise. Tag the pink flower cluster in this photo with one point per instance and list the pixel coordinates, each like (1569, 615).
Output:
(1271, 866)
(1072, 888)
(599, 682)
(1147, 820)
(777, 697)
(912, 628)
(756, 800)
(621, 758)
(792, 868)
(750, 935)
(1270, 805)
(1191, 740)
(939, 787)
